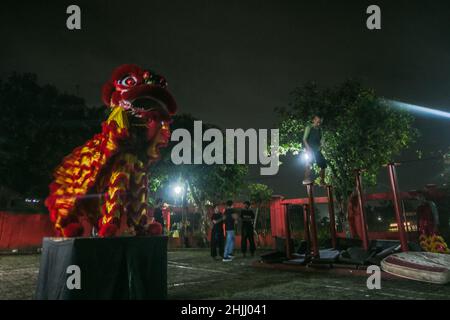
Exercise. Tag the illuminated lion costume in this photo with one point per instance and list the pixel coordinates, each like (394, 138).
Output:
(107, 176)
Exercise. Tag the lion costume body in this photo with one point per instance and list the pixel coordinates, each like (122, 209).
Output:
(107, 176)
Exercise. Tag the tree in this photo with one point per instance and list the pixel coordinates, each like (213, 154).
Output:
(259, 194)
(206, 184)
(361, 131)
(446, 173)
(40, 125)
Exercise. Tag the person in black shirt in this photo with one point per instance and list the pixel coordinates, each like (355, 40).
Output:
(247, 218)
(312, 141)
(217, 238)
(230, 221)
(158, 214)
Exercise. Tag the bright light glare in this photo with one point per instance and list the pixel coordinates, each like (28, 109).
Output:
(31, 200)
(419, 109)
(178, 189)
(306, 157)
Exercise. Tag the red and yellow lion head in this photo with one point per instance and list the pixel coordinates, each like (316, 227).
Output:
(143, 95)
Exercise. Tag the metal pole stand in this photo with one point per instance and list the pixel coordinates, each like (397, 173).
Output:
(365, 238)
(288, 232)
(399, 211)
(306, 236)
(312, 220)
(332, 217)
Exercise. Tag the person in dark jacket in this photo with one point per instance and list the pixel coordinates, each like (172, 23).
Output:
(247, 219)
(217, 237)
(158, 213)
(230, 221)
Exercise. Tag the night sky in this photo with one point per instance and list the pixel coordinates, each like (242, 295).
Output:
(232, 62)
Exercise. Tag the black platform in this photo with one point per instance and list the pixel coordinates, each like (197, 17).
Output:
(111, 268)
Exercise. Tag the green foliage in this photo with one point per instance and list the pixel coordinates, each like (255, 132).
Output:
(39, 127)
(259, 193)
(446, 173)
(207, 183)
(361, 130)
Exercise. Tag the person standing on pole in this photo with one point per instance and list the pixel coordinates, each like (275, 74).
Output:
(312, 140)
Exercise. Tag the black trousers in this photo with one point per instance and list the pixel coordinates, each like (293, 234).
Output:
(217, 241)
(247, 234)
(319, 159)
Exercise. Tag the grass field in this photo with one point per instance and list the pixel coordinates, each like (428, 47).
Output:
(192, 274)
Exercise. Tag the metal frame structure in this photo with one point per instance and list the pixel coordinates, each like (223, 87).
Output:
(309, 212)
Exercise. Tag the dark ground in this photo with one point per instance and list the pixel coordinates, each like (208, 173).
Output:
(192, 274)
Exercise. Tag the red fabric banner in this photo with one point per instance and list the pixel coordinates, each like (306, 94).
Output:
(23, 230)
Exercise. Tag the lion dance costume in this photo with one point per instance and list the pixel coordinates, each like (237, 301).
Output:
(107, 176)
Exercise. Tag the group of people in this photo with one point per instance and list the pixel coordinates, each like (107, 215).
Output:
(229, 218)
(312, 141)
